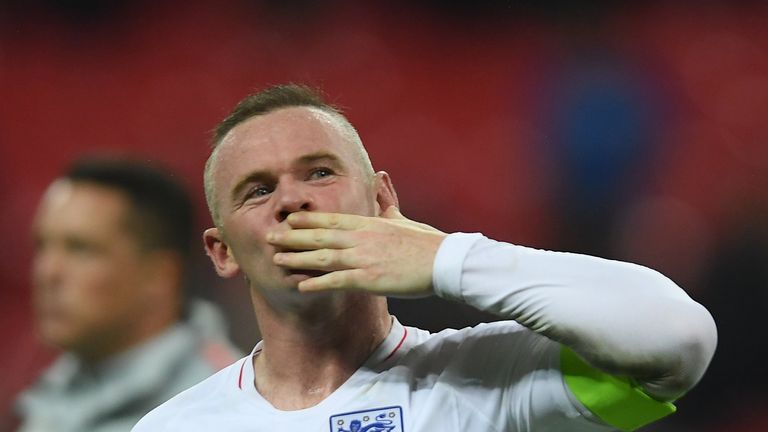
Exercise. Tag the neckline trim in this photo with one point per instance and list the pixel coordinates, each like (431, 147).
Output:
(386, 350)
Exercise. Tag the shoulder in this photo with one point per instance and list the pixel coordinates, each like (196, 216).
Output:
(56, 375)
(506, 335)
(50, 385)
(200, 400)
(501, 346)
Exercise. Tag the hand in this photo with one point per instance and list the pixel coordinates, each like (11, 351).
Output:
(387, 255)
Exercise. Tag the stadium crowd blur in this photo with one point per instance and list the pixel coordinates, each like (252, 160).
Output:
(630, 132)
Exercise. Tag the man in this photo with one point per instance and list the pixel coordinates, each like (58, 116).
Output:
(589, 344)
(112, 239)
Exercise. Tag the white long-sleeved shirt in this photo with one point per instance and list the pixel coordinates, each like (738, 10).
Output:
(502, 376)
(622, 317)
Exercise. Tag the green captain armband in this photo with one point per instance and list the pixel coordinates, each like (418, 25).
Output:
(615, 400)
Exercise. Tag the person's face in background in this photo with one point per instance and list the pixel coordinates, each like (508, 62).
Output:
(89, 271)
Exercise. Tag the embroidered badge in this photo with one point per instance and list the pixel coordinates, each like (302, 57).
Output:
(388, 419)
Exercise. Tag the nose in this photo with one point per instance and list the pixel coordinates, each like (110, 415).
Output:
(292, 197)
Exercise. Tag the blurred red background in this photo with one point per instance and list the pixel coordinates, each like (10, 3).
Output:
(636, 133)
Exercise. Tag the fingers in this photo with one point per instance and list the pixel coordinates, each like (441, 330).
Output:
(307, 239)
(321, 259)
(338, 280)
(326, 220)
(387, 255)
(392, 212)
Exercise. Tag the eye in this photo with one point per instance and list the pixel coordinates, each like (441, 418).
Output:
(319, 173)
(259, 191)
(80, 246)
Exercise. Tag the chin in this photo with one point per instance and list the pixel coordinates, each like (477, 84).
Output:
(292, 300)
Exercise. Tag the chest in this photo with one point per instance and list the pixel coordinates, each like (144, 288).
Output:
(393, 402)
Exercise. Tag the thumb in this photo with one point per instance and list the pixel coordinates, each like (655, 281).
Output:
(392, 212)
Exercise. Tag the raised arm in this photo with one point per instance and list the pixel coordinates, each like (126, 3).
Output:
(622, 318)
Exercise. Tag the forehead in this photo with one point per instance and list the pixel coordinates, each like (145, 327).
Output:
(80, 207)
(278, 138)
(288, 130)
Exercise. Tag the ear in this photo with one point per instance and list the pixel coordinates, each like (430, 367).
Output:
(385, 193)
(220, 253)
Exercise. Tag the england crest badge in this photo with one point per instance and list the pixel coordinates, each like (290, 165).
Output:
(387, 419)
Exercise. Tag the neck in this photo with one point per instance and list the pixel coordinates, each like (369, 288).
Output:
(307, 353)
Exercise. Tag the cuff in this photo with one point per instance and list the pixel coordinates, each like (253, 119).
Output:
(449, 263)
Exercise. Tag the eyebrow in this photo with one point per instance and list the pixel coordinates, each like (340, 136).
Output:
(261, 176)
(318, 156)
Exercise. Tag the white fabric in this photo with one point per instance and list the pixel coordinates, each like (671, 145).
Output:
(493, 377)
(462, 380)
(621, 317)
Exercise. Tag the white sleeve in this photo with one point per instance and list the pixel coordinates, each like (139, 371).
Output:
(623, 318)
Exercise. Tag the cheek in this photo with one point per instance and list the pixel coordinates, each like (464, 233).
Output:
(93, 293)
(248, 244)
(101, 291)
(357, 202)
(71, 307)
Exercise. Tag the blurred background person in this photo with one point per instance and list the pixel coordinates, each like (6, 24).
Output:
(112, 239)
